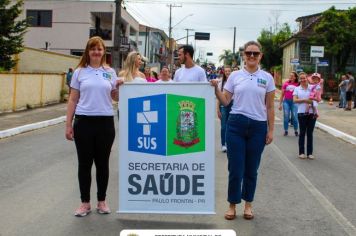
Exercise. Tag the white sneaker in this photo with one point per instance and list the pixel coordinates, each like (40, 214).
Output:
(302, 156)
(311, 157)
(223, 148)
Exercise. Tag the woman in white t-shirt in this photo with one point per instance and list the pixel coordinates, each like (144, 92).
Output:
(164, 76)
(249, 128)
(306, 116)
(93, 86)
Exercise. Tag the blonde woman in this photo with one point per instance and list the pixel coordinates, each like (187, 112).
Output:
(130, 72)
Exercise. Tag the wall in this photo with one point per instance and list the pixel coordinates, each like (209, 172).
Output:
(21, 90)
(36, 60)
(288, 54)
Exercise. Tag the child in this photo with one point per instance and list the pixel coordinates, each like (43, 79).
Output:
(315, 93)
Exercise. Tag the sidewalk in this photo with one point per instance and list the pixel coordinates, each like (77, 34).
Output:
(332, 119)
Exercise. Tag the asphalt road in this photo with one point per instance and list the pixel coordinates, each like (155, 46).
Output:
(39, 191)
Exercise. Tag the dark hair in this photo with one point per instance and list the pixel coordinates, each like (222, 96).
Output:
(155, 74)
(187, 49)
(296, 77)
(349, 73)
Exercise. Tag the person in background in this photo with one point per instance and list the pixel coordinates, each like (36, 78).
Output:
(349, 91)
(148, 75)
(164, 76)
(343, 85)
(249, 128)
(69, 78)
(190, 72)
(307, 120)
(93, 87)
(315, 93)
(130, 71)
(222, 111)
(288, 105)
(350, 77)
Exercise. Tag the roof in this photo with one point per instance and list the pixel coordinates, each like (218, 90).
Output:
(306, 32)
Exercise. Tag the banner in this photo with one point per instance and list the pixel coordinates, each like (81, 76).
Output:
(166, 148)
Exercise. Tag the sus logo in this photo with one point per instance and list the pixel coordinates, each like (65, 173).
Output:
(166, 124)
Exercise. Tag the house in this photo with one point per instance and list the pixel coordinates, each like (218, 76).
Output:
(65, 26)
(153, 44)
(296, 55)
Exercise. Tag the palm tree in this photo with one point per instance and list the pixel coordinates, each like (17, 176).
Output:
(227, 57)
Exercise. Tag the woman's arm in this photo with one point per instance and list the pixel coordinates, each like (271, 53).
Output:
(223, 97)
(281, 100)
(297, 100)
(270, 116)
(72, 104)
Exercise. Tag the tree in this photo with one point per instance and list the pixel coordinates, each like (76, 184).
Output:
(11, 32)
(336, 31)
(226, 57)
(271, 45)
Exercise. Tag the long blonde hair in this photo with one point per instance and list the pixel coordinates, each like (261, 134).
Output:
(129, 66)
(92, 42)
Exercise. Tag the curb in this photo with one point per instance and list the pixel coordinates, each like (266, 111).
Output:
(26, 128)
(337, 133)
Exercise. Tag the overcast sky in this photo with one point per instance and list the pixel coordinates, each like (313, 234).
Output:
(218, 18)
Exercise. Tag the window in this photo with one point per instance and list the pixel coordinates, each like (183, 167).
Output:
(304, 53)
(39, 18)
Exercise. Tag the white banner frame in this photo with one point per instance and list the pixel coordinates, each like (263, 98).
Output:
(167, 183)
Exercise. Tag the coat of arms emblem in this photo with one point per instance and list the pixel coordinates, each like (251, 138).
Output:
(187, 125)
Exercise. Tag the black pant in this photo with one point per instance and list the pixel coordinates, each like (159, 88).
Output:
(93, 136)
(306, 125)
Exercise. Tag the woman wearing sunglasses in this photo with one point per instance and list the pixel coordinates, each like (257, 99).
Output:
(249, 128)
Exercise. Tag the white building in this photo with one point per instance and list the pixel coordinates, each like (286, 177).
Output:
(153, 44)
(66, 26)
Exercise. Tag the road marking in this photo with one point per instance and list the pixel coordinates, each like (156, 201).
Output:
(347, 226)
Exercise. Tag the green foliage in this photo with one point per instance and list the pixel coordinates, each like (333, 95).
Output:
(271, 45)
(229, 58)
(336, 30)
(11, 32)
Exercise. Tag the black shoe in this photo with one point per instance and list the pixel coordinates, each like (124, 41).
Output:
(285, 133)
(296, 133)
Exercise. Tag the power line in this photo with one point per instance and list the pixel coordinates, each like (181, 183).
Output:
(294, 3)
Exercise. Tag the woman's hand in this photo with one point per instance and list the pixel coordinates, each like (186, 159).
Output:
(280, 107)
(269, 137)
(119, 82)
(214, 82)
(69, 133)
(219, 114)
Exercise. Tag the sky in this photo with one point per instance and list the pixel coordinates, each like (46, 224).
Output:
(219, 17)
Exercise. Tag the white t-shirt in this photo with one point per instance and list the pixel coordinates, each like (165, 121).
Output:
(302, 93)
(193, 74)
(164, 81)
(94, 86)
(249, 93)
(139, 80)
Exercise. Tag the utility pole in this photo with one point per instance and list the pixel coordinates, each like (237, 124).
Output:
(170, 43)
(116, 58)
(188, 33)
(233, 47)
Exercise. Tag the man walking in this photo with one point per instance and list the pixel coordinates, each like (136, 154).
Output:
(190, 72)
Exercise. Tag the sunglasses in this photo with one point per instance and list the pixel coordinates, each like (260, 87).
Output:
(250, 53)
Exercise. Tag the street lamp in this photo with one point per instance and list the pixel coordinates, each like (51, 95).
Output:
(170, 33)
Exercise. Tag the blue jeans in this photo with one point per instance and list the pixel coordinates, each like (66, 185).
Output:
(225, 111)
(342, 99)
(290, 107)
(246, 139)
(306, 124)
